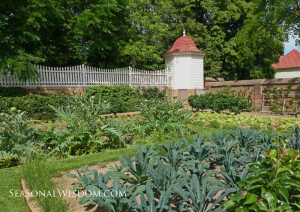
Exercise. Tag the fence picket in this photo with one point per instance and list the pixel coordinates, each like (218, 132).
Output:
(81, 75)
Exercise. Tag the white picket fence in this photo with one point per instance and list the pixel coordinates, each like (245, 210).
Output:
(84, 76)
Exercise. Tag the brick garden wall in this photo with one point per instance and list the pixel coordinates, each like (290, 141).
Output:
(257, 86)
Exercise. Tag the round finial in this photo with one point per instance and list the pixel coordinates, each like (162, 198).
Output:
(184, 32)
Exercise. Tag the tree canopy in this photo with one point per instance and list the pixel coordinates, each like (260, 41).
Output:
(241, 38)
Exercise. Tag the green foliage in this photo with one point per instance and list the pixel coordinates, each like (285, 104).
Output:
(214, 124)
(198, 197)
(163, 116)
(153, 93)
(198, 123)
(112, 202)
(149, 203)
(175, 155)
(83, 176)
(33, 103)
(38, 173)
(53, 34)
(18, 140)
(219, 102)
(276, 186)
(142, 158)
(256, 127)
(82, 132)
(229, 127)
(12, 91)
(81, 110)
(122, 98)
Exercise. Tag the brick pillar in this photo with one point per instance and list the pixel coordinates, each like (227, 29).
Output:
(257, 98)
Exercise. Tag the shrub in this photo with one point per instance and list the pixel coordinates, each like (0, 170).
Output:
(33, 103)
(122, 98)
(163, 115)
(18, 140)
(152, 93)
(214, 124)
(219, 102)
(12, 91)
(125, 92)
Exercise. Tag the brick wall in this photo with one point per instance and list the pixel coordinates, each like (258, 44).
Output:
(256, 86)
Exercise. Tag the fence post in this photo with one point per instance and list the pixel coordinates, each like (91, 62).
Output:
(130, 76)
(83, 75)
(168, 76)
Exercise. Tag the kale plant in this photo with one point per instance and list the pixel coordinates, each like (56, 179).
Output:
(142, 158)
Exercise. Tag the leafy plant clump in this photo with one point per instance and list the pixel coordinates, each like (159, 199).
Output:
(257, 173)
(12, 91)
(246, 120)
(274, 182)
(219, 102)
(214, 124)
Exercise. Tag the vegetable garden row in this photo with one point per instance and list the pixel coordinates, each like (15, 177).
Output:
(259, 170)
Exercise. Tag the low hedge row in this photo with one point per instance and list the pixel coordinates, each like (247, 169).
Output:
(123, 98)
(12, 91)
(32, 103)
(219, 102)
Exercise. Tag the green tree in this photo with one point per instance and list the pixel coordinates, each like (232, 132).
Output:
(154, 26)
(21, 24)
(237, 43)
(285, 13)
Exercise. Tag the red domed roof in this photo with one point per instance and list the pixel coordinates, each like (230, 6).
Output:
(184, 44)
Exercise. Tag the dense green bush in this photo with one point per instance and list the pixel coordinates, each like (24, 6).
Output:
(152, 93)
(122, 98)
(33, 103)
(124, 92)
(219, 102)
(12, 91)
(214, 124)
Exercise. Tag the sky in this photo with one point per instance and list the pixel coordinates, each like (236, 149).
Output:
(289, 46)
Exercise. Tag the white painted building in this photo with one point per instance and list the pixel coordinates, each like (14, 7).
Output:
(185, 62)
(288, 65)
